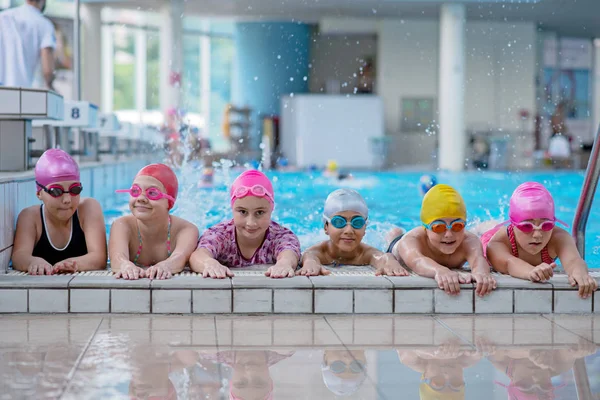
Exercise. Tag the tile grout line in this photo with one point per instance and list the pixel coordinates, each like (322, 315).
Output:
(567, 329)
(381, 395)
(461, 337)
(79, 359)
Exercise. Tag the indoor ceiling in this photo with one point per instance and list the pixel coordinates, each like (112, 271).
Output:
(567, 17)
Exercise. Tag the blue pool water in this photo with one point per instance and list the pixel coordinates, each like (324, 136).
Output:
(393, 199)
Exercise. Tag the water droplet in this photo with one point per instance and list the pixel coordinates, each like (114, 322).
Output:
(305, 78)
(291, 79)
(256, 78)
(278, 56)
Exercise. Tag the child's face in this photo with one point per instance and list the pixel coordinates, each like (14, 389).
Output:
(448, 241)
(251, 378)
(142, 207)
(536, 240)
(347, 239)
(64, 206)
(251, 216)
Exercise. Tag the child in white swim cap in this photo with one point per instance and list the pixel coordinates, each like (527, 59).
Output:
(345, 219)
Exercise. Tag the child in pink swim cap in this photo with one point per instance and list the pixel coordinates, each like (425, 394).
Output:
(151, 243)
(251, 237)
(531, 242)
(65, 233)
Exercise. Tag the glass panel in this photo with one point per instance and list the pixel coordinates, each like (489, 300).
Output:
(124, 69)
(152, 71)
(191, 80)
(221, 62)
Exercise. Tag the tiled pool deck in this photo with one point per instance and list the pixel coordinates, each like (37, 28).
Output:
(348, 290)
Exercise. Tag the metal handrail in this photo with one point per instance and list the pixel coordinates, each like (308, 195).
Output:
(588, 190)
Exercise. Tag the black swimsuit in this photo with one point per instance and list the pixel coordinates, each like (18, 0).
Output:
(76, 246)
(393, 243)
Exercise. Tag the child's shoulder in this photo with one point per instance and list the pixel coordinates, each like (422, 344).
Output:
(30, 215)
(30, 211)
(88, 206)
(279, 229)
(181, 223)
(221, 228)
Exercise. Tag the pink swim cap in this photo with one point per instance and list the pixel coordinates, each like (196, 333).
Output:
(55, 165)
(531, 200)
(165, 175)
(252, 183)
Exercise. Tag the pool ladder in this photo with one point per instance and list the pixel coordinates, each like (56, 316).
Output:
(588, 190)
(582, 213)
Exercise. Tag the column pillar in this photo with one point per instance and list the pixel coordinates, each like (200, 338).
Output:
(171, 54)
(91, 72)
(452, 135)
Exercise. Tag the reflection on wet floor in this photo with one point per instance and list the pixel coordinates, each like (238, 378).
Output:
(298, 357)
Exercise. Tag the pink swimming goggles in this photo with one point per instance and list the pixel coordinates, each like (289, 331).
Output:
(151, 193)
(256, 190)
(528, 227)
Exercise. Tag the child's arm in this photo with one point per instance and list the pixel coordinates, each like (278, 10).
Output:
(286, 264)
(409, 249)
(203, 259)
(384, 263)
(575, 267)
(504, 262)
(22, 254)
(480, 269)
(186, 240)
(95, 240)
(118, 250)
(313, 259)
(287, 250)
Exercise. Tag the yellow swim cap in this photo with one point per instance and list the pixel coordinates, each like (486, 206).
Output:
(332, 166)
(442, 201)
(427, 393)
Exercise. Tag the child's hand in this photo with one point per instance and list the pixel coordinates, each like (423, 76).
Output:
(215, 269)
(485, 283)
(391, 271)
(587, 284)
(450, 281)
(312, 268)
(68, 266)
(159, 271)
(542, 272)
(130, 271)
(280, 271)
(39, 266)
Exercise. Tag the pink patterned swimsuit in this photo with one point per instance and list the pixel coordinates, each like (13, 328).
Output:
(510, 230)
(220, 240)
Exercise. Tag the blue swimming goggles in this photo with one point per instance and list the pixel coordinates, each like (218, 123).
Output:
(339, 222)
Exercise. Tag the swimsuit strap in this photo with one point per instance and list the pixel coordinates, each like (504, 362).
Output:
(169, 238)
(139, 251)
(546, 256)
(515, 252)
(513, 241)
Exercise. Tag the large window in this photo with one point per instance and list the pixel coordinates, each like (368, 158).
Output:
(124, 69)
(208, 51)
(153, 71)
(221, 57)
(192, 79)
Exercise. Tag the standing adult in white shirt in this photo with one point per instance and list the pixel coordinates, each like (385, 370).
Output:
(26, 38)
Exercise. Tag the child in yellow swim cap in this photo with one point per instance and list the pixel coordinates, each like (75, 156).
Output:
(440, 247)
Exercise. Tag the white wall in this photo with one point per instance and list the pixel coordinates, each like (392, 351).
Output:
(500, 76)
(500, 69)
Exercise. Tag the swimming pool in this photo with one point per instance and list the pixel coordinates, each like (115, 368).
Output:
(393, 199)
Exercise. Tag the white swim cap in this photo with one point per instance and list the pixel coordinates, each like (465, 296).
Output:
(345, 200)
